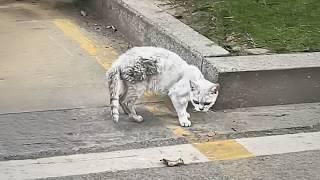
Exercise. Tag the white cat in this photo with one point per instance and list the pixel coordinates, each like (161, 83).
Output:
(160, 71)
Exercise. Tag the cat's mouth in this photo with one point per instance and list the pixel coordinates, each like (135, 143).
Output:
(199, 110)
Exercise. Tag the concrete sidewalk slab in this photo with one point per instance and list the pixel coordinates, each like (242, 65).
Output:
(266, 79)
(254, 121)
(302, 165)
(265, 62)
(40, 68)
(98, 162)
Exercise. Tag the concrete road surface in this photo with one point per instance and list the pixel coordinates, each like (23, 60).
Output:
(41, 69)
(55, 121)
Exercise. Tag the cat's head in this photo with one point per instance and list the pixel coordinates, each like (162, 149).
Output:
(203, 94)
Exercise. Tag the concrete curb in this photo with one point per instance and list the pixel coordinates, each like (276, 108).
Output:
(246, 80)
(262, 80)
(143, 23)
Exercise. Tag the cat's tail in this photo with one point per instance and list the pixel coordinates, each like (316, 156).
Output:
(114, 84)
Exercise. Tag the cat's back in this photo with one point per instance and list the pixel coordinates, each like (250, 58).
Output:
(163, 56)
(163, 67)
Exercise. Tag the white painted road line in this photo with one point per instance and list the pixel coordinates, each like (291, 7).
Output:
(150, 157)
(280, 144)
(97, 162)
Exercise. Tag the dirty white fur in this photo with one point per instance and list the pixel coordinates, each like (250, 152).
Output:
(160, 71)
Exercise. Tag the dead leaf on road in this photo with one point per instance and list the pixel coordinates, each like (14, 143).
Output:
(171, 163)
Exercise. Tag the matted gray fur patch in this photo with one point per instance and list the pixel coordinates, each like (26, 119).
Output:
(141, 70)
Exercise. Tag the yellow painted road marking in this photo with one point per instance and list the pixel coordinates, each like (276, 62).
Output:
(223, 150)
(181, 132)
(73, 32)
(104, 56)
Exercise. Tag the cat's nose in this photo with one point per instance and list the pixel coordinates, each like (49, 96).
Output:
(201, 108)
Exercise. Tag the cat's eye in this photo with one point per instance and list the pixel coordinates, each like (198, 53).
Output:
(196, 102)
(215, 91)
(206, 103)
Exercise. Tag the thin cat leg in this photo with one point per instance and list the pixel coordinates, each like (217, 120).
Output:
(134, 92)
(123, 105)
(188, 115)
(133, 114)
(121, 101)
(180, 105)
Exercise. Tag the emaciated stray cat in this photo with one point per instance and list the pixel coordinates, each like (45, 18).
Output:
(160, 71)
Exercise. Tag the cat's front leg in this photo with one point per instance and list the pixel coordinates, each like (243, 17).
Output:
(180, 104)
(188, 115)
(184, 121)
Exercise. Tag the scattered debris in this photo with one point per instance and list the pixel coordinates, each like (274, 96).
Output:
(112, 27)
(83, 13)
(97, 27)
(70, 133)
(170, 163)
(211, 134)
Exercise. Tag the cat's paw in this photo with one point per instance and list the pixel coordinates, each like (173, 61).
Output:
(185, 123)
(137, 118)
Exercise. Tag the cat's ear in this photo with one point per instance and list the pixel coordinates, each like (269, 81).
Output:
(215, 89)
(193, 85)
